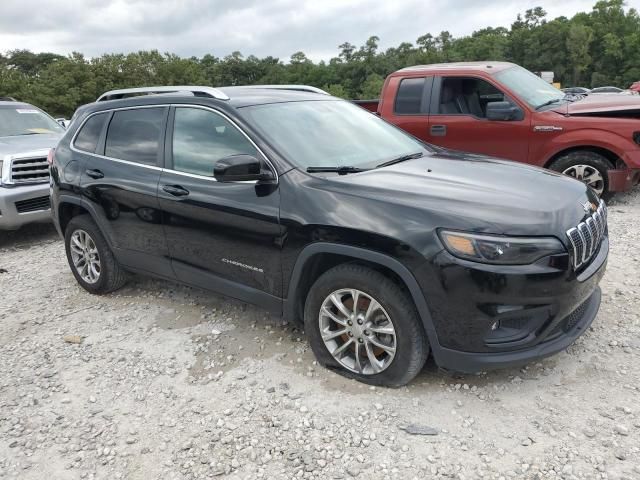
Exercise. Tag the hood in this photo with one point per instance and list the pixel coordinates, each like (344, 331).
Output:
(26, 143)
(602, 104)
(497, 196)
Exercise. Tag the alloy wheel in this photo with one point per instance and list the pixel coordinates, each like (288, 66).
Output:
(587, 174)
(85, 256)
(357, 331)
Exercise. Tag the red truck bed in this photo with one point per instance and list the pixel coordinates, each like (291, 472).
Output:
(371, 105)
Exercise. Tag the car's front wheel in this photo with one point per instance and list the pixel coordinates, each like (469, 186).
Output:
(90, 258)
(361, 323)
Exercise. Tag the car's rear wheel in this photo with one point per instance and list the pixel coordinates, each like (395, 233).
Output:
(90, 258)
(589, 167)
(365, 326)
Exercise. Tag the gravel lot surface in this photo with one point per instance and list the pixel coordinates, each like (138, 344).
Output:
(169, 382)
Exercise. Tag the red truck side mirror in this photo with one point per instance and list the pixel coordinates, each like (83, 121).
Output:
(503, 111)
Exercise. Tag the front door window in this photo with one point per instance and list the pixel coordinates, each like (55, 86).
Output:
(467, 96)
(202, 137)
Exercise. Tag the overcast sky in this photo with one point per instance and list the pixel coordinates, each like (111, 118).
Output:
(260, 27)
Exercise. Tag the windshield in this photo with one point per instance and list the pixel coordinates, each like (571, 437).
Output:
(330, 133)
(26, 120)
(529, 87)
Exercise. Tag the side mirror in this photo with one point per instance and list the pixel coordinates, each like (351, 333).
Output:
(62, 122)
(241, 168)
(503, 111)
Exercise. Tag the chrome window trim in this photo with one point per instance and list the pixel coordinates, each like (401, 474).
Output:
(237, 127)
(162, 169)
(73, 147)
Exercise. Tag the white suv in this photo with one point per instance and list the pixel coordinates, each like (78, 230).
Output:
(27, 134)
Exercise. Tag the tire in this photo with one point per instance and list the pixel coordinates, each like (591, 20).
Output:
(396, 310)
(111, 276)
(586, 158)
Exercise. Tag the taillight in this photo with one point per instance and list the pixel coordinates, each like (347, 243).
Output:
(50, 156)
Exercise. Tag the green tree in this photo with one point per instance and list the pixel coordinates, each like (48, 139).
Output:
(372, 86)
(578, 46)
(592, 48)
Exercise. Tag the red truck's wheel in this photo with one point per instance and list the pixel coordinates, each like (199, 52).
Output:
(588, 167)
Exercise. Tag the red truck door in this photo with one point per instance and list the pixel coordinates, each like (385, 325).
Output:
(458, 119)
(407, 103)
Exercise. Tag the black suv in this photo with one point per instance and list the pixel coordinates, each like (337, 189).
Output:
(383, 247)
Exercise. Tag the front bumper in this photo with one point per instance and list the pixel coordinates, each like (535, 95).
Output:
(24, 204)
(487, 317)
(466, 362)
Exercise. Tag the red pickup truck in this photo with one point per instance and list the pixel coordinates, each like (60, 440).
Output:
(503, 110)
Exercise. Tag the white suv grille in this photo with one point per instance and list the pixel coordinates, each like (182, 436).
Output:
(29, 170)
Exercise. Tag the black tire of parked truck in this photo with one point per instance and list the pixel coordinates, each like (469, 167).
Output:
(84, 243)
(374, 306)
(583, 163)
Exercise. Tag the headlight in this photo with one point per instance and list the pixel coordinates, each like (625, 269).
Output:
(500, 250)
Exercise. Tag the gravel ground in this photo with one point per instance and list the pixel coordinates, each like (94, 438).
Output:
(169, 382)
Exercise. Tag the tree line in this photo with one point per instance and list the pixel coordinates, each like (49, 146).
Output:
(596, 48)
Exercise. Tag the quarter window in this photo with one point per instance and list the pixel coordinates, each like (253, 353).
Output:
(135, 134)
(202, 137)
(410, 96)
(89, 134)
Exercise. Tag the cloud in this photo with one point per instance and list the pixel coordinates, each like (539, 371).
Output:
(276, 27)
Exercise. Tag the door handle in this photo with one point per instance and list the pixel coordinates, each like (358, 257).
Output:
(175, 190)
(438, 130)
(94, 174)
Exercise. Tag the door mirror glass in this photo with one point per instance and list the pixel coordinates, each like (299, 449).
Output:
(241, 168)
(503, 111)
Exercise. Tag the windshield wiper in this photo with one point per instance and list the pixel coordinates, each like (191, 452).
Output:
(340, 169)
(403, 158)
(550, 102)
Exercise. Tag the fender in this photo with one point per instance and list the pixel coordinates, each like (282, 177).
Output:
(89, 207)
(587, 138)
(289, 304)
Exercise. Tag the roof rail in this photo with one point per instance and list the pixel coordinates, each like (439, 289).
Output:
(194, 90)
(301, 88)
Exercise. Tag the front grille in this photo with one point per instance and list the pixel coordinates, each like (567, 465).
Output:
(33, 204)
(585, 238)
(29, 170)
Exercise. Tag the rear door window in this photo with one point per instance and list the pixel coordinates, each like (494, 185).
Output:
(135, 135)
(89, 135)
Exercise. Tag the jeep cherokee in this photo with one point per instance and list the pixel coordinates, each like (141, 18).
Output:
(382, 247)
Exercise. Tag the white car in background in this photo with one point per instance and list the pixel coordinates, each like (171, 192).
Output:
(611, 90)
(27, 134)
